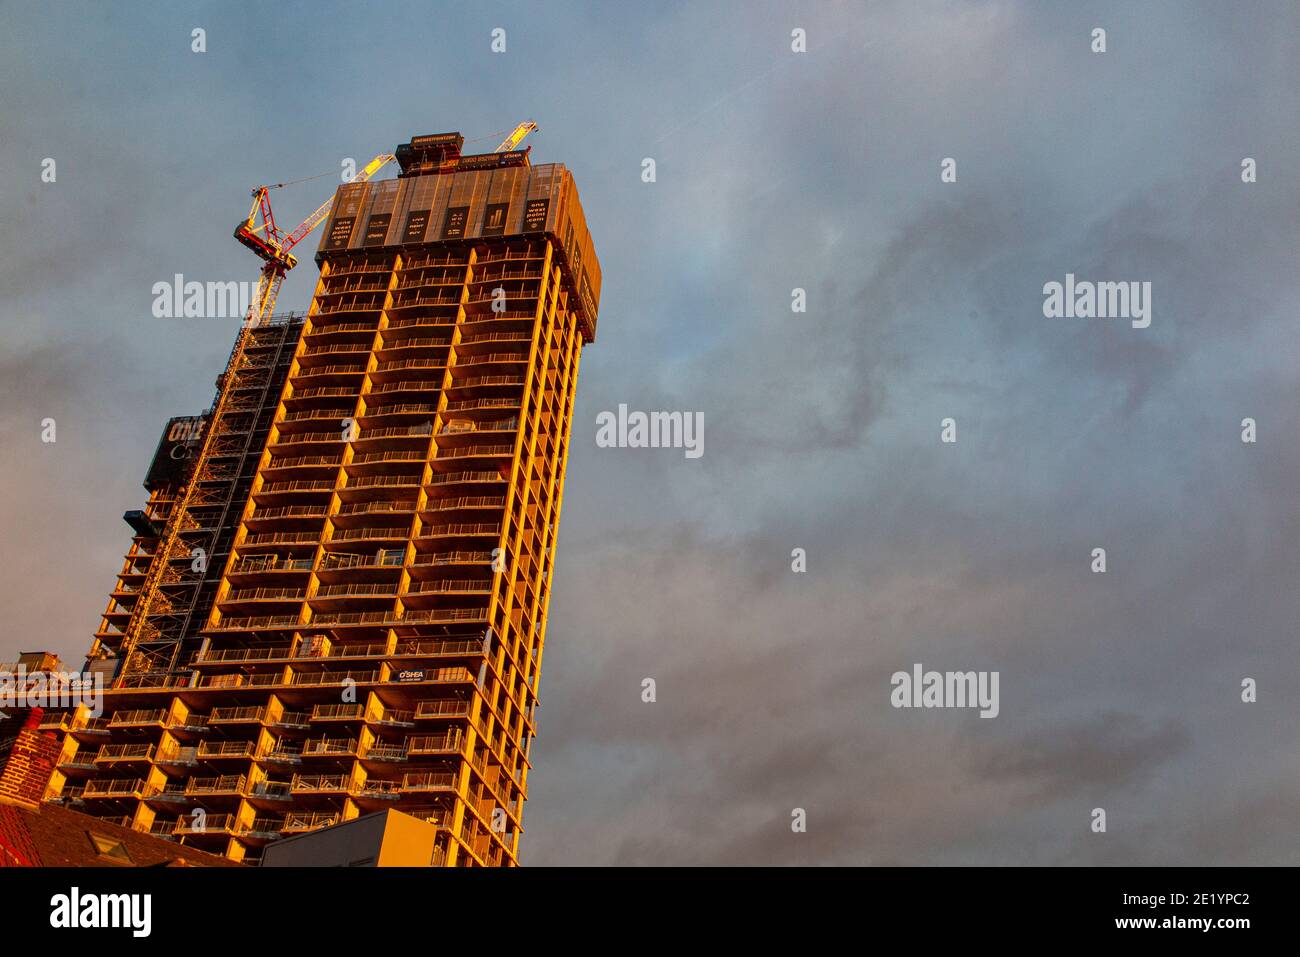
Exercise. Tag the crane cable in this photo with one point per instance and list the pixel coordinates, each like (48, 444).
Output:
(307, 179)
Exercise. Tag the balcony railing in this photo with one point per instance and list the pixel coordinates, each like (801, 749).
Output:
(394, 717)
(408, 385)
(397, 365)
(331, 413)
(270, 563)
(396, 455)
(114, 787)
(281, 754)
(427, 647)
(282, 538)
(335, 677)
(459, 452)
(216, 655)
(241, 680)
(323, 391)
(414, 342)
(208, 823)
(474, 358)
(462, 528)
(304, 460)
(138, 717)
(442, 709)
(421, 431)
(450, 478)
(384, 752)
(80, 760)
(321, 782)
(329, 746)
(178, 756)
(327, 712)
(257, 594)
(465, 501)
(365, 534)
(270, 790)
(450, 585)
(379, 506)
(229, 715)
(334, 561)
(388, 590)
(308, 820)
(226, 784)
(289, 438)
(464, 427)
(496, 337)
(354, 650)
(226, 749)
(290, 511)
(360, 302)
(452, 558)
(335, 348)
(428, 782)
(409, 301)
(423, 408)
(436, 743)
(124, 752)
(485, 380)
(266, 827)
(341, 327)
(442, 615)
(252, 624)
(431, 322)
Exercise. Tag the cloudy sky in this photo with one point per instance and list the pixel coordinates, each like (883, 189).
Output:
(775, 170)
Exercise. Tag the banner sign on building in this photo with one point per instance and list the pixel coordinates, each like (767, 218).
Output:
(417, 221)
(482, 161)
(535, 213)
(494, 219)
(176, 450)
(340, 232)
(454, 225)
(377, 229)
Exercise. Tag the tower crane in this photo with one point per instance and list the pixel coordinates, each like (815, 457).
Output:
(274, 247)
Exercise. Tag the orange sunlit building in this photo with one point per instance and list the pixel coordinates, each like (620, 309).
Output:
(352, 614)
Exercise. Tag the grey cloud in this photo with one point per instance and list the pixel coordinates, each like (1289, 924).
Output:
(1110, 752)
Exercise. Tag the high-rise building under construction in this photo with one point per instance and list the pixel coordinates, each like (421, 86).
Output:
(336, 598)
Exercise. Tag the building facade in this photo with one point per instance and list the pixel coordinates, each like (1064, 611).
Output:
(372, 636)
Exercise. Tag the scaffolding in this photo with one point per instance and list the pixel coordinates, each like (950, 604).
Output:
(166, 587)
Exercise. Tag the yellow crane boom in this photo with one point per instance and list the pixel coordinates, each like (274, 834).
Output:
(517, 137)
